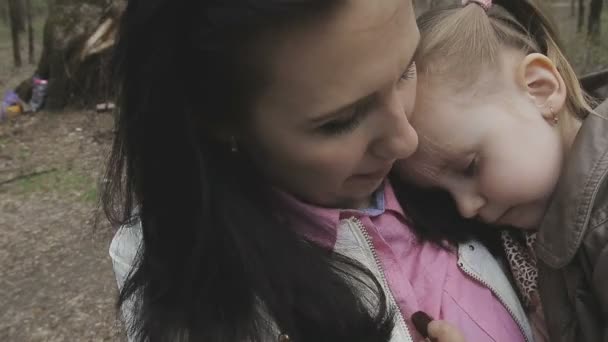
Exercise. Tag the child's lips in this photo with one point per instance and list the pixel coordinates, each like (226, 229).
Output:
(499, 220)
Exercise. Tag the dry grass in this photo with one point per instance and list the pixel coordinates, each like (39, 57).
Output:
(56, 280)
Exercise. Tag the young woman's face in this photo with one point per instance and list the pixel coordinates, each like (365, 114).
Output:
(334, 116)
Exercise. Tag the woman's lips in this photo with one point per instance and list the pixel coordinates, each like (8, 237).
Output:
(373, 175)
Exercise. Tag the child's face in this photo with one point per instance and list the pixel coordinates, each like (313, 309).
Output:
(495, 154)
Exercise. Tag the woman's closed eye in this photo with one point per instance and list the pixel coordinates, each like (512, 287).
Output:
(349, 123)
(344, 125)
(350, 120)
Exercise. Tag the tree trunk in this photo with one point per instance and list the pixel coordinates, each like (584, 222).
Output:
(442, 3)
(581, 16)
(421, 6)
(4, 12)
(15, 19)
(594, 20)
(75, 53)
(572, 8)
(21, 4)
(30, 32)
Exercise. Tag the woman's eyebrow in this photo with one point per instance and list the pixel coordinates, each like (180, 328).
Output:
(337, 112)
(365, 99)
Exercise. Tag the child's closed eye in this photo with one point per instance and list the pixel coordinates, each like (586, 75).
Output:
(471, 168)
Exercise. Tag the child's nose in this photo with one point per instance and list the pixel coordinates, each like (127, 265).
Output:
(469, 204)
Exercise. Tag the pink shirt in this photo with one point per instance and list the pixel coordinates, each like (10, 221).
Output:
(421, 276)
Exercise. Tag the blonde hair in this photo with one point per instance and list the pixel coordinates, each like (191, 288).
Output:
(462, 41)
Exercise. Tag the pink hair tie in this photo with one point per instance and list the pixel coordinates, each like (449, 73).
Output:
(485, 4)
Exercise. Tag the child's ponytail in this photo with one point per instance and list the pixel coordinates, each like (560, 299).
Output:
(472, 37)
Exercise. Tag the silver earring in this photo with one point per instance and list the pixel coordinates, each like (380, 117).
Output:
(234, 147)
(554, 115)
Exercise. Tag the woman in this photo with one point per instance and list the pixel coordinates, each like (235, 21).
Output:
(250, 163)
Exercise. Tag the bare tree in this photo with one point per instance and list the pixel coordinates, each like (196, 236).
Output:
(421, 5)
(16, 21)
(581, 16)
(30, 32)
(441, 3)
(572, 8)
(76, 48)
(593, 22)
(4, 12)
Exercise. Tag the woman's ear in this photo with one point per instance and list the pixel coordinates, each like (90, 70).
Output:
(543, 83)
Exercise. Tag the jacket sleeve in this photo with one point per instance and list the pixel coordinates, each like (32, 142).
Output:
(600, 287)
(600, 266)
(123, 251)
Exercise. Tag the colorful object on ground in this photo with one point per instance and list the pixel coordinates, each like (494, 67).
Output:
(11, 106)
(38, 93)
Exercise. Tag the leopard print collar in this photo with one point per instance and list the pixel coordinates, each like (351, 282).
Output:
(519, 251)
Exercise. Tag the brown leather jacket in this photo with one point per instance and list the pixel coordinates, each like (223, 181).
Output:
(572, 245)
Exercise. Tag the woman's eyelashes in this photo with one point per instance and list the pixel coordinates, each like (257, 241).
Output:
(359, 111)
(344, 125)
(409, 73)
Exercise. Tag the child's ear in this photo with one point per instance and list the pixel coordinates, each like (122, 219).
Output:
(543, 83)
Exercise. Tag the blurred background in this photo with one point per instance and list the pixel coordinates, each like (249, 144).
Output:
(56, 281)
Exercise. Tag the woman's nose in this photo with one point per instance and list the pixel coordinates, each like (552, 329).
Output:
(398, 139)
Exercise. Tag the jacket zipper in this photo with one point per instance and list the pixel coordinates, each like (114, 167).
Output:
(500, 298)
(388, 291)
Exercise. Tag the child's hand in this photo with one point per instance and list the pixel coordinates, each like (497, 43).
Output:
(442, 331)
(437, 331)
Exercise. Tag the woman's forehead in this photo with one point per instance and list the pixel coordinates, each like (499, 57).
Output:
(321, 67)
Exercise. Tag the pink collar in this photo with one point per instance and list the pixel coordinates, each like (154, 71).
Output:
(319, 224)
